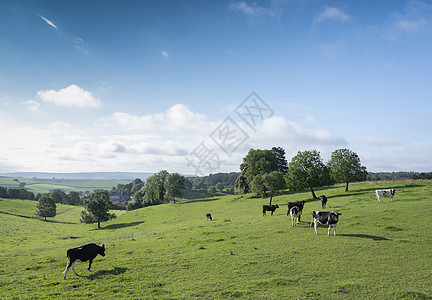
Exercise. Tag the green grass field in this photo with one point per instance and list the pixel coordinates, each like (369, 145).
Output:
(40, 185)
(382, 250)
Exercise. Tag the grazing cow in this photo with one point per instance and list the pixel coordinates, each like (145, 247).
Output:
(84, 253)
(209, 217)
(325, 218)
(271, 208)
(299, 204)
(385, 193)
(323, 201)
(295, 214)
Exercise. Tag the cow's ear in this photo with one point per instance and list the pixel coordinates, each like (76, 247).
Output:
(103, 246)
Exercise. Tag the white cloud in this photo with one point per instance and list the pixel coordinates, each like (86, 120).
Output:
(253, 10)
(332, 14)
(33, 105)
(50, 23)
(80, 45)
(165, 54)
(71, 96)
(416, 16)
(177, 118)
(411, 25)
(278, 130)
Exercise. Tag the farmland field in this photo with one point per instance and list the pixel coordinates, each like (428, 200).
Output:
(381, 251)
(41, 185)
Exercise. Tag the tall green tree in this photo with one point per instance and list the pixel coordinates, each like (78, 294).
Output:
(241, 185)
(97, 208)
(282, 163)
(345, 166)
(274, 182)
(46, 207)
(256, 162)
(257, 186)
(74, 198)
(307, 171)
(174, 184)
(59, 196)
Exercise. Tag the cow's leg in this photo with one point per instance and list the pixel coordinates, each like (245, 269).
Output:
(298, 216)
(328, 232)
(315, 226)
(90, 261)
(334, 229)
(73, 268)
(68, 265)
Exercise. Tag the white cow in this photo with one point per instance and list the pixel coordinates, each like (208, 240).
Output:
(385, 193)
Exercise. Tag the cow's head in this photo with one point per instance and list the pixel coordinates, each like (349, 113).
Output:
(392, 192)
(276, 206)
(102, 250)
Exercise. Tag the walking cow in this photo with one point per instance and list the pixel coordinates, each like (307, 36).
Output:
(84, 253)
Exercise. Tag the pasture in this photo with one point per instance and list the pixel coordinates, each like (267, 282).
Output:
(42, 185)
(382, 250)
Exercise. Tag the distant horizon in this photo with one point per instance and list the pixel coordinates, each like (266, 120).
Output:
(122, 175)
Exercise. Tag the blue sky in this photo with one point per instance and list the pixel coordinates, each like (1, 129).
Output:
(151, 85)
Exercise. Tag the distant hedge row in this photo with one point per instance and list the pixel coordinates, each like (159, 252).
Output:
(11, 193)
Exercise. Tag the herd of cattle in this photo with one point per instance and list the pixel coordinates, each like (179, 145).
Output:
(90, 251)
(330, 218)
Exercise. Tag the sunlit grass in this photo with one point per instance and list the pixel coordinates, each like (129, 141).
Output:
(382, 250)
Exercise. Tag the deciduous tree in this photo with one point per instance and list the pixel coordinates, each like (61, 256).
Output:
(97, 208)
(345, 167)
(46, 207)
(307, 170)
(174, 184)
(274, 182)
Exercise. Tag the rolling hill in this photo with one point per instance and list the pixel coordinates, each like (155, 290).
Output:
(382, 250)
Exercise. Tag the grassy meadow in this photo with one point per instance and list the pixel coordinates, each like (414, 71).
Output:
(42, 185)
(381, 251)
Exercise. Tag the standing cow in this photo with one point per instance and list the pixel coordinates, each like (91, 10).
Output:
(299, 204)
(295, 215)
(323, 201)
(385, 193)
(325, 218)
(84, 253)
(271, 208)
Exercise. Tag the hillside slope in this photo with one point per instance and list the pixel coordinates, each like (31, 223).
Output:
(382, 250)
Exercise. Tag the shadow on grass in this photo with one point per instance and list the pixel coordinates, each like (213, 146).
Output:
(199, 200)
(102, 273)
(35, 218)
(120, 225)
(366, 236)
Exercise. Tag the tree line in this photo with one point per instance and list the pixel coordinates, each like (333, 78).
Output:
(265, 172)
(16, 193)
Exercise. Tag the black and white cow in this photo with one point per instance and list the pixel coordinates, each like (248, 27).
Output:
(84, 253)
(325, 218)
(271, 208)
(385, 193)
(295, 214)
(209, 217)
(299, 204)
(323, 201)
